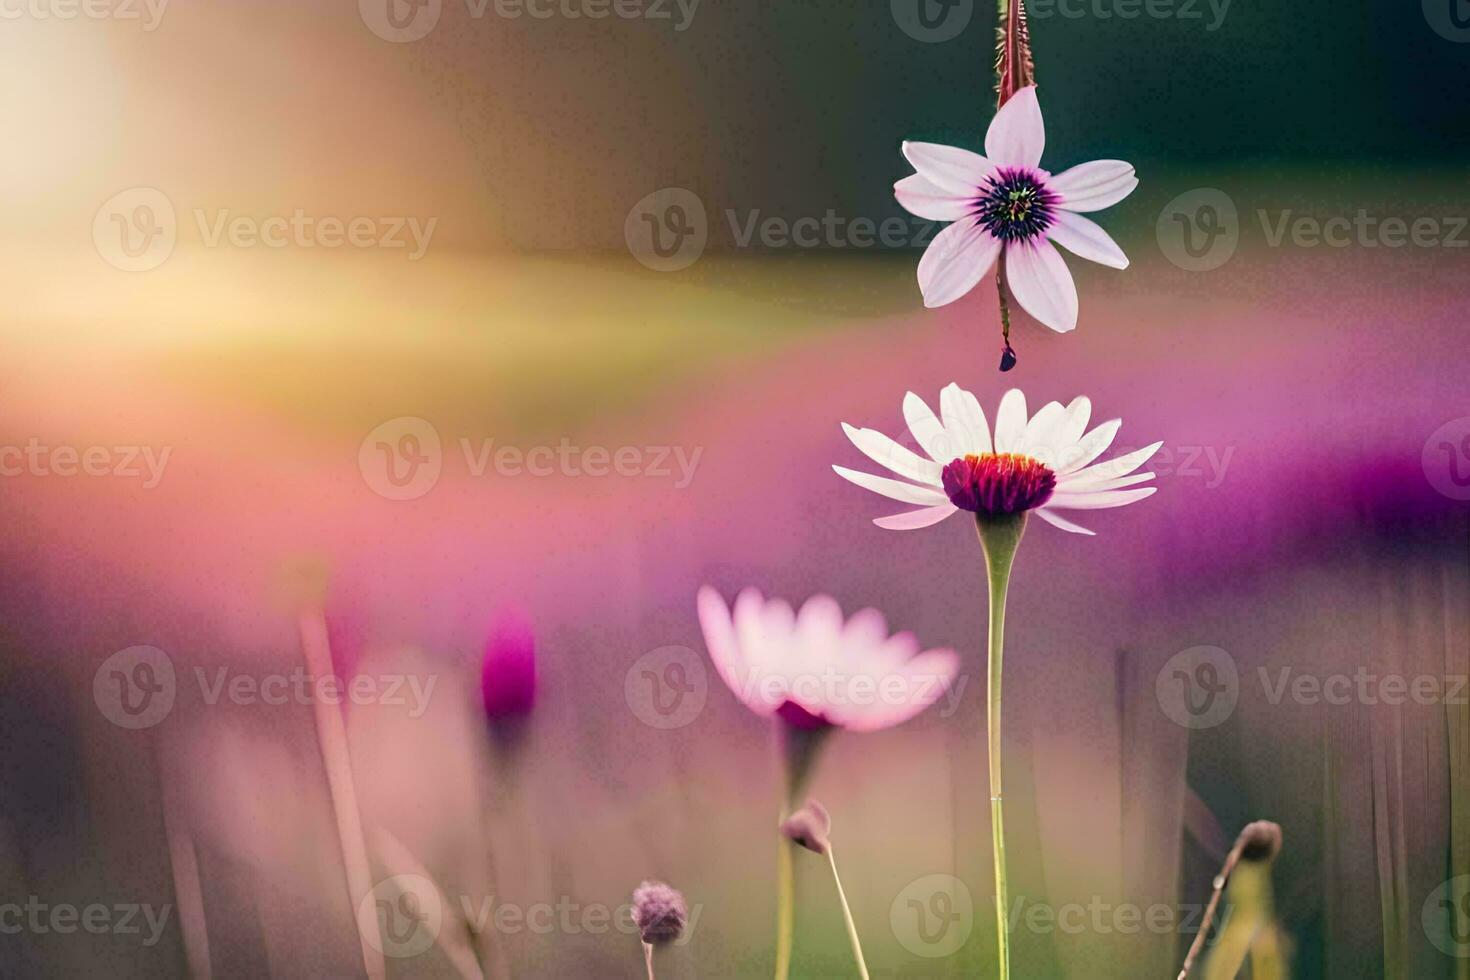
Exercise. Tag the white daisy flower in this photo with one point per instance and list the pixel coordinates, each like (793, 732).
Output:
(1044, 463)
(1003, 202)
(815, 669)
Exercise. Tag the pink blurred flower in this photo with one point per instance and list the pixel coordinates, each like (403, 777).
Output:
(1004, 202)
(816, 670)
(1040, 463)
(508, 677)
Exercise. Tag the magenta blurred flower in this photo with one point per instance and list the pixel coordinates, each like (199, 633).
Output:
(1004, 202)
(508, 677)
(1040, 464)
(815, 670)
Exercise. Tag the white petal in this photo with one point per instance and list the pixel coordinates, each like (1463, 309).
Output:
(1093, 186)
(1112, 468)
(951, 168)
(1017, 134)
(1010, 421)
(1071, 429)
(926, 428)
(923, 197)
(1090, 484)
(955, 261)
(1090, 447)
(907, 690)
(898, 458)
(1098, 501)
(1037, 441)
(893, 489)
(1086, 239)
(1056, 520)
(913, 519)
(964, 420)
(1042, 284)
(719, 637)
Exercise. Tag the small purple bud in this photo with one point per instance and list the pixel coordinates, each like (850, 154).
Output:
(810, 827)
(659, 912)
(1007, 357)
(508, 678)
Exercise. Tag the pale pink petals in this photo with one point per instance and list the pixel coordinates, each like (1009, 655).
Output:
(903, 692)
(1094, 186)
(1017, 135)
(719, 636)
(1098, 501)
(907, 493)
(955, 261)
(1056, 520)
(1078, 414)
(1010, 421)
(914, 519)
(964, 421)
(1089, 447)
(1082, 237)
(850, 673)
(922, 197)
(950, 168)
(1110, 469)
(926, 428)
(1042, 284)
(898, 458)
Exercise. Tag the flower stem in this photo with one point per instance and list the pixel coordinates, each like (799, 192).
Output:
(785, 904)
(999, 537)
(857, 947)
(648, 958)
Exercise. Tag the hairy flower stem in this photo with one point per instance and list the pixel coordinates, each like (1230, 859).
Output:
(857, 947)
(648, 958)
(999, 537)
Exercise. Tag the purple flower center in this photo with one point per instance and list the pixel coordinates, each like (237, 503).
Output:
(1014, 205)
(998, 483)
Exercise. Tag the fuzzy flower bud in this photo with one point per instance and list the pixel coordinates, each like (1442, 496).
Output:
(659, 912)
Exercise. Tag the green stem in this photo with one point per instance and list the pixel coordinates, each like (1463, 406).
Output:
(799, 748)
(785, 904)
(857, 947)
(999, 537)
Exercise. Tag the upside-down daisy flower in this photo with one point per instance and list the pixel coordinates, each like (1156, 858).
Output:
(1004, 203)
(1043, 463)
(817, 669)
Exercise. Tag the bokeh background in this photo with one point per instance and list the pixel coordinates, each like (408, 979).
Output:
(1312, 513)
